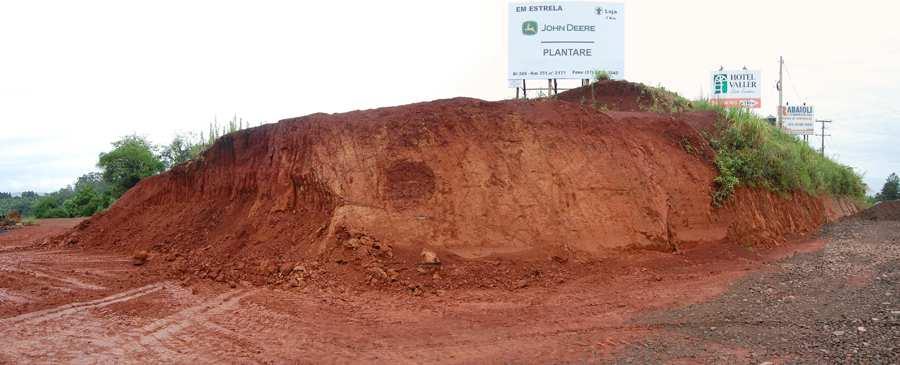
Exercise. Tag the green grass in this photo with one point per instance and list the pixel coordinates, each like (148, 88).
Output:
(660, 100)
(750, 152)
(29, 221)
(705, 105)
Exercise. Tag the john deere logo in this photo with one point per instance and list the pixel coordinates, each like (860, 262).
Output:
(530, 27)
(720, 82)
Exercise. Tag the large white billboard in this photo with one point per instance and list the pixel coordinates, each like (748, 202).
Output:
(799, 119)
(736, 88)
(566, 40)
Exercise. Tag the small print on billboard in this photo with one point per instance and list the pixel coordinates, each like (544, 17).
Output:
(799, 119)
(566, 40)
(736, 88)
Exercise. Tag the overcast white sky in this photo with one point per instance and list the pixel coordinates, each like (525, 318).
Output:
(76, 75)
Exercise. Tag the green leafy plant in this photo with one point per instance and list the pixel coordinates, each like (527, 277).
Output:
(21, 203)
(601, 75)
(51, 205)
(687, 146)
(131, 159)
(191, 146)
(660, 100)
(890, 190)
(85, 202)
(750, 152)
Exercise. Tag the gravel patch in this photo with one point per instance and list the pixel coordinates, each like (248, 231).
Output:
(838, 305)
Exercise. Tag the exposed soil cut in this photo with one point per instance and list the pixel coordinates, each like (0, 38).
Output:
(542, 231)
(500, 192)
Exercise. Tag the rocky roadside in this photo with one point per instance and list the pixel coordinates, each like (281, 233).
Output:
(837, 305)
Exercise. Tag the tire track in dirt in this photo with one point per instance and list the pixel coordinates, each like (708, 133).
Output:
(7, 296)
(163, 337)
(26, 263)
(68, 280)
(12, 248)
(55, 313)
(598, 341)
(164, 328)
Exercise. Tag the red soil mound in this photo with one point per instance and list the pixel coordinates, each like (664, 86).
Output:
(884, 211)
(613, 95)
(625, 96)
(363, 193)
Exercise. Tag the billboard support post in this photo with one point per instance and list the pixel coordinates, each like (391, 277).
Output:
(823, 135)
(780, 97)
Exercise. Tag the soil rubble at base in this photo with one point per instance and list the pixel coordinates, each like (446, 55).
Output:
(883, 211)
(444, 194)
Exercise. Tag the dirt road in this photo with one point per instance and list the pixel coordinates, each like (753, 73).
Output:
(837, 305)
(724, 304)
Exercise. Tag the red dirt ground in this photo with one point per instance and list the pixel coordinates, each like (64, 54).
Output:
(504, 192)
(555, 224)
(86, 306)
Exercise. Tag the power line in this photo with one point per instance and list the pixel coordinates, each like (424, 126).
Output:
(793, 85)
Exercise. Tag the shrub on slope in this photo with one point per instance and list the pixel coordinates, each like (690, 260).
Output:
(751, 152)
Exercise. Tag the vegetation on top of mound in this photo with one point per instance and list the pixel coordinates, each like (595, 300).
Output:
(186, 147)
(648, 98)
(751, 152)
(660, 100)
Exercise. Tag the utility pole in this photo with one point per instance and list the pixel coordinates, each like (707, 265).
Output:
(823, 135)
(779, 87)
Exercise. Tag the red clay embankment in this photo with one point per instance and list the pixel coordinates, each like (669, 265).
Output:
(464, 177)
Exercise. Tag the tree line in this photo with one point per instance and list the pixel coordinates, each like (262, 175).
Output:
(131, 159)
(890, 190)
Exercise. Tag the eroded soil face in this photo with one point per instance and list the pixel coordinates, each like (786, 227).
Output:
(465, 178)
(780, 304)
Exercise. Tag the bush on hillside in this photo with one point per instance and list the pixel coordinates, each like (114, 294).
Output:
(86, 202)
(750, 152)
(660, 100)
(601, 75)
(131, 159)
